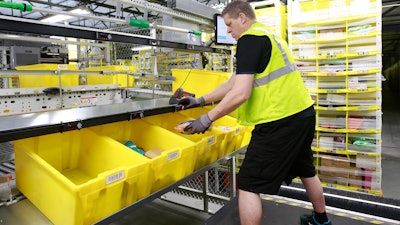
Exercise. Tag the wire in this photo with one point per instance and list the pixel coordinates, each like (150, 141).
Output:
(187, 76)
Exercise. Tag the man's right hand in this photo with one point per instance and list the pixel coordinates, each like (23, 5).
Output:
(190, 102)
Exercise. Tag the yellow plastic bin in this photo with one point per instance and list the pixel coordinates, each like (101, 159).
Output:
(123, 79)
(178, 154)
(48, 80)
(208, 145)
(234, 132)
(79, 177)
(189, 80)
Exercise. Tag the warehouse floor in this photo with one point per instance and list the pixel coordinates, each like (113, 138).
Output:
(161, 212)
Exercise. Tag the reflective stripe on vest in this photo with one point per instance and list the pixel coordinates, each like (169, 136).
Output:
(288, 68)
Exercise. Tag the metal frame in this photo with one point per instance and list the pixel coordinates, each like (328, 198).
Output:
(30, 125)
(15, 24)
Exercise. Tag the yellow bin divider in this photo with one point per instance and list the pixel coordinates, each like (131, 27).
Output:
(178, 154)
(189, 80)
(234, 131)
(79, 177)
(48, 80)
(124, 80)
(208, 145)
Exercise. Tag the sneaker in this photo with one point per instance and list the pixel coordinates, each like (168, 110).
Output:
(310, 220)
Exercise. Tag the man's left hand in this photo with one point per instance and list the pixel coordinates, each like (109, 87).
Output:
(200, 125)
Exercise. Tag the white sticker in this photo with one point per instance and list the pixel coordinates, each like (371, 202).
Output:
(125, 67)
(353, 83)
(173, 155)
(115, 177)
(62, 67)
(88, 100)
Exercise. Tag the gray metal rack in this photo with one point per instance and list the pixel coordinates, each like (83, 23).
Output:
(30, 125)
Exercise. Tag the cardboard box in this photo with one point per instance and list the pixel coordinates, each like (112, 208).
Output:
(335, 166)
(355, 177)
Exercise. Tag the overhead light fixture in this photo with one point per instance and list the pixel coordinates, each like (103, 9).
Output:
(141, 48)
(60, 17)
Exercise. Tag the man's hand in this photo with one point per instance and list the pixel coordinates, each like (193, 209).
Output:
(200, 125)
(190, 102)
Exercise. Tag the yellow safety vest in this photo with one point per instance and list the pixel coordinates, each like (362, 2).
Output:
(278, 91)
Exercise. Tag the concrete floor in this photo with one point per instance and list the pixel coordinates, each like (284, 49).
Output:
(161, 212)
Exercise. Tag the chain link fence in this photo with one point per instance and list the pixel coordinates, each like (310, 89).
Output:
(209, 191)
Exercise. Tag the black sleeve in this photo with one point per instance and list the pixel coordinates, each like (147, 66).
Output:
(253, 54)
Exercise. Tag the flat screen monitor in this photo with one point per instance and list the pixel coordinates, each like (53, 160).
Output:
(221, 32)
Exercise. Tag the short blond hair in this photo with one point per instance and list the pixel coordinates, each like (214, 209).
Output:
(234, 8)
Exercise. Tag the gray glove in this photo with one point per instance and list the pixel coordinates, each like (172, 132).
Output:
(190, 102)
(200, 125)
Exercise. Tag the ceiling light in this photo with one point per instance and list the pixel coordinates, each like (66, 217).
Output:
(60, 17)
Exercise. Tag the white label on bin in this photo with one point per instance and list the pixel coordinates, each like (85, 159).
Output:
(62, 67)
(211, 140)
(115, 177)
(173, 155)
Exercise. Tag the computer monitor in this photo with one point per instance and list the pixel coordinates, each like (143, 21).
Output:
(221, 32)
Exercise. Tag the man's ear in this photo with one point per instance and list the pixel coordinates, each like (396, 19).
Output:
(243, 18)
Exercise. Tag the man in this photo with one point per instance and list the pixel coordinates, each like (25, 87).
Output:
(269, 93)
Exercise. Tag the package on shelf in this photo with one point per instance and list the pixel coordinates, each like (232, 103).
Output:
(310, 82)
(365, 120)
(306, 66)
(364, 63)
(362, 8)
(363, 49)
(332, 142)
(306, 51)
(371, 171)
(331, 82)
(334, 166)
(356, 177)
(332, 65)
(363, 82)
(365, 99)
(332, 122)
(348, 171)
(364, 143)
(304, 35)
(331, 33)
(330, 51)
(334, 99)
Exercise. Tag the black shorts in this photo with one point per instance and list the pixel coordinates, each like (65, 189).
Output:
(279, 151)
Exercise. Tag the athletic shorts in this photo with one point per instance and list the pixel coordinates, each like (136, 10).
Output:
(279, 151)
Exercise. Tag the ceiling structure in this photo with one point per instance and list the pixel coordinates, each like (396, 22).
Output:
(116, 9)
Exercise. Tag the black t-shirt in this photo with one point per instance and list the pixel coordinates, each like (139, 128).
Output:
(253, 54)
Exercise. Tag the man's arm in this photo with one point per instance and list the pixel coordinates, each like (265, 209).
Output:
(219, 92)
(239, 92)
